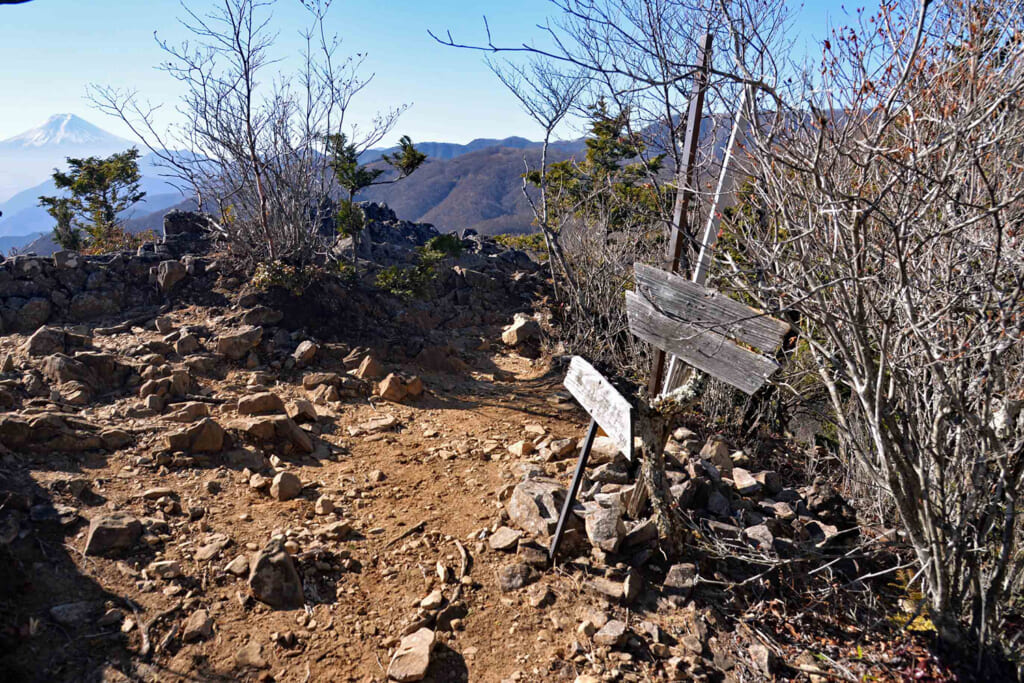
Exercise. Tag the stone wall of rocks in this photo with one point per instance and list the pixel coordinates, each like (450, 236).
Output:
(476, 288)
(72, 288)
(35, 290)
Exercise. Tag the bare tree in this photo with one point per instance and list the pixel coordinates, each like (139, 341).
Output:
(892, 200)
(251, 144)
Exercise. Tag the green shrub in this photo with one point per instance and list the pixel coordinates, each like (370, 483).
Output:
(413, 281)
(449, 245)
(532, 243)
(279, 274)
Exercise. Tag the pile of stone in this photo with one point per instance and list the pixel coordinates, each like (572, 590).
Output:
(749, 511)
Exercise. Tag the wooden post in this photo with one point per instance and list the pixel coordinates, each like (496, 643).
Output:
(574, 488)
(724, 195)
(684, 191)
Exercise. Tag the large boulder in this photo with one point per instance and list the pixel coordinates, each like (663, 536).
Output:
(605, 527)
(273, 578)
(412, 658)
(535, 505)
(205, 436)
(236, 344)
(45, 341)
(168, 274)
(262, 403)
(112, 533)
(522, 330)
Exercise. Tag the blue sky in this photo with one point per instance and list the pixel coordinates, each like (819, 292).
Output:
(50, 50)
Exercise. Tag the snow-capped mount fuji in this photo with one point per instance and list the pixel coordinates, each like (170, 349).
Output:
(29, 158)
(61, 131)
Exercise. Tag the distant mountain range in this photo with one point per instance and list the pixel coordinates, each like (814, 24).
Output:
(476, 186)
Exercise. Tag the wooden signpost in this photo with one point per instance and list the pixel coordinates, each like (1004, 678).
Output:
(704, 328)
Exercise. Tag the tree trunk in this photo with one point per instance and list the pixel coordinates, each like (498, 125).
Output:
(654, 427)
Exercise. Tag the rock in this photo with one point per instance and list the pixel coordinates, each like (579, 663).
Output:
(238, 566)
(763, 658)
(744, 482)
(262, 403)
(301, 410)
(7, 365)
(604, 450)
(540, 595)
(783, 511)
(273, 578)
(379, 424)
(632, 586)
(188, 412)
(612, 590)
(335, 531)
(168, 274)
(414, 387)
(535, 505)
(305, 353)
(612, 634)
(644, 533)
(433, 601)
(164, 569)
(212, 547)
(761, 536)
(35, 312)
(771, 481)
(198, 626)
(505, 539)
(112, 533)
(45, 341)
(323, 506)
(392, 388)
(412, 659)
(521, 448)
(157, 493)
(681, 578)
(605, 527)
(191, 223)
(717, 452)
(74, 614)
(236, 344)
(285, 486)
(186, 344)
(369, 369)
(205, 436)
(262, 315)
(719, 505)
(560, 448)
(515, 576)
(250, 656)
(522, 330)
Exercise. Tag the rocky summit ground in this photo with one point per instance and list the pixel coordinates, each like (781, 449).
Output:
(194, 487)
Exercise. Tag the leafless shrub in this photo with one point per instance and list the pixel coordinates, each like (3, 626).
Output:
(252, 144)
(894, 197)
